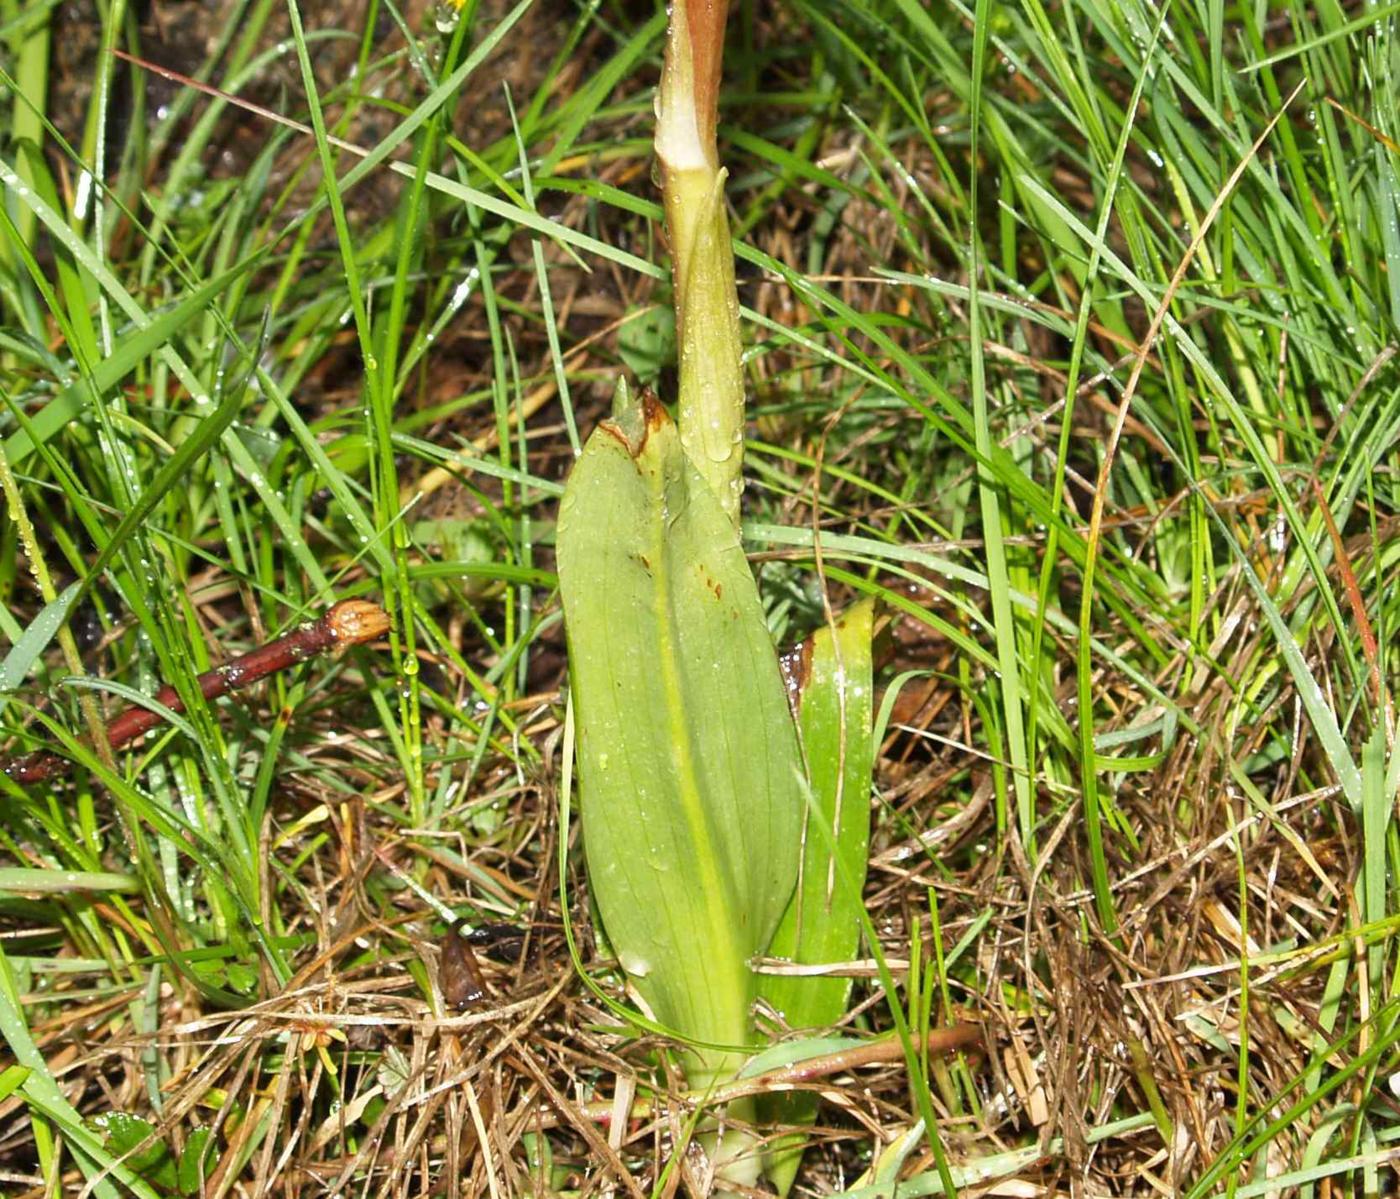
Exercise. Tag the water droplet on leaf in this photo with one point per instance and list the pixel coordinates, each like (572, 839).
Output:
(634, 964)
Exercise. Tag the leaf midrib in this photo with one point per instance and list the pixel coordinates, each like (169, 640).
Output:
(718, 897)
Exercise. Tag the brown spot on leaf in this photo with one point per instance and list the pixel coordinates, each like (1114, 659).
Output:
(632, 434)
(614, 430)
(653, 410)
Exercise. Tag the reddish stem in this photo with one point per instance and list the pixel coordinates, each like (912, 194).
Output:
(350, 622)
(705, 19)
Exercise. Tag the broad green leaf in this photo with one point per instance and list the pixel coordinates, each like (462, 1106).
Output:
(689, 768)
(136, 1142)
(822, 923)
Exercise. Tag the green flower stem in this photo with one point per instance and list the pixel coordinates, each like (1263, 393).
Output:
(711, 407)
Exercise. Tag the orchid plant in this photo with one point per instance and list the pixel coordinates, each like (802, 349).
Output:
(698, 791)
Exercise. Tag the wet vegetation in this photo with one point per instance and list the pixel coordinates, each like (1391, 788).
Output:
(1069, 338)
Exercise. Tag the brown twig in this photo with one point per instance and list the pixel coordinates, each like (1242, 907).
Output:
(940, 1042)
(350, 622)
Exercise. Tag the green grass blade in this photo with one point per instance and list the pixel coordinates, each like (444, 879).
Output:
(1010, 685)
(170, 474)
(131, 350)
(45, 1099)
(35, 639)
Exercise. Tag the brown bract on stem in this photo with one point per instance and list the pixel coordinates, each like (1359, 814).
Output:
(350, 622)
(688, 104)
(706, 19)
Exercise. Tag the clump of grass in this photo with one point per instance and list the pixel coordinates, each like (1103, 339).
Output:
(1137, 824)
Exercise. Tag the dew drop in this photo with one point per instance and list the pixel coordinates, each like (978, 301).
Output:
(634, 964)
(445, 16)
(718, 451)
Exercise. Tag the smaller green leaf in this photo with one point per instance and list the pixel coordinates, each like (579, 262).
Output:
(889, 1164)
(822, 922)
(647, 343)
(791, 1053)
(711, 408)
(11, 1079)
(242, 978)
(135, 1141)
(194, 1163)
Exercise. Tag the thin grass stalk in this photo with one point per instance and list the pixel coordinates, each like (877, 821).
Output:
(1078, 343)
(31, 65)
(1093, 813)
